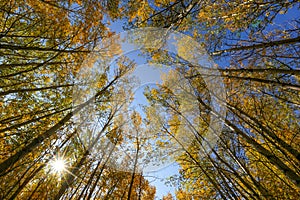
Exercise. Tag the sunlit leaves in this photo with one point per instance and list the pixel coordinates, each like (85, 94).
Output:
(43, 47)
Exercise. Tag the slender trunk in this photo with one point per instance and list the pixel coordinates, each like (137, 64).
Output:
(269, 134)
(140, 187)
(3, 66)
(26, 48)
(259, 80)
(34, 89)
(33, 120)
(134, 168)
(249, 70)
(99, 175)
(264, 192)
(288, 172)
(211, 180)
(25, 182)
(36, 67)
(87, 185)
(70, 176)
(259, 46)
(216, 154)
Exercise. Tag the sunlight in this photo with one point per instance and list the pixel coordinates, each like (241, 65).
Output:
(58, 165)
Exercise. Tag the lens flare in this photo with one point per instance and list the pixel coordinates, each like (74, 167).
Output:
(58, 165)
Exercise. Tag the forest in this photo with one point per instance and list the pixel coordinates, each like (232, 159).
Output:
(103, 99)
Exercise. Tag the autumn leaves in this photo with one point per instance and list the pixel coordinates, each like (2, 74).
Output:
(44, 46)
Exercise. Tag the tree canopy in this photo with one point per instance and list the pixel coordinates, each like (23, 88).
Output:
(69, 127)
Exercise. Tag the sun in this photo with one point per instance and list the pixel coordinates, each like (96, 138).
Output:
(58, 165)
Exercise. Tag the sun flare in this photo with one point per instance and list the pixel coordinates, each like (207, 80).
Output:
(58, 165)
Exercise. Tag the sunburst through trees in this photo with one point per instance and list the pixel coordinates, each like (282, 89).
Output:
(44, 109)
